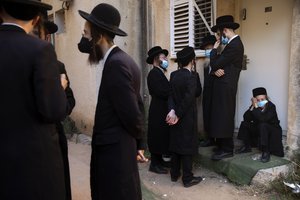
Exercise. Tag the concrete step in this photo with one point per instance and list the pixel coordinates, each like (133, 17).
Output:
(244, 169)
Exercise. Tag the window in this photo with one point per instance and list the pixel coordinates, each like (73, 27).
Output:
(187, 25)
(51, 18)
(60, 21)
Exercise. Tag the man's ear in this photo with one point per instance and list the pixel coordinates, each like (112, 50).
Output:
(48, 38)
(35, 20)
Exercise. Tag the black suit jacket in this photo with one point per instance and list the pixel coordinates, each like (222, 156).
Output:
(186, 87)
(119, 121)
(32, 99)
(158, 129)
(224, 88)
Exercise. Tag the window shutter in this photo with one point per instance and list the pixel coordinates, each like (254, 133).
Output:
(200, 30)
(187, 27)
(180, 25)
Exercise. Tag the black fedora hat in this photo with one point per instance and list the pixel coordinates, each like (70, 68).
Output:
(35, 3)
(51, 27)
(259, 91)
(185, 55)
(209, 39)
(106, 17)
(155, 51)
(225, 21)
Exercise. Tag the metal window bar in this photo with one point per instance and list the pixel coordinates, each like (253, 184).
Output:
(202, 20)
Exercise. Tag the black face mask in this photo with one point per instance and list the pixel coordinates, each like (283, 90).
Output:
(85, 46)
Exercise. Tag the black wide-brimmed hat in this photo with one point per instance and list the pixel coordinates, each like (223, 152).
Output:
(105, 16)
(209, 39)
(154, 51)
(185, 55)
(225, 21)
(259, 91)
(51, 27)
(35, 3)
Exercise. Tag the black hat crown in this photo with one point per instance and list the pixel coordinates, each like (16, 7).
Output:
(154, 51)
(105, 16)
(209, 39)
(35, 3)
(185, 55)
(225, 21)
(259, 91)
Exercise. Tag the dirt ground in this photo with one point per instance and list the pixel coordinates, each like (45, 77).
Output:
(213, 187)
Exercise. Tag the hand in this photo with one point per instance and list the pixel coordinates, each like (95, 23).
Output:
(64, 81)
(172, 118)
(217, 44)
(140, 156)
(254, 102)
(219, 72)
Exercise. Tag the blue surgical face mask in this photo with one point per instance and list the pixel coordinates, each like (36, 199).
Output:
(164, 64)
(207, 53)
(261, 104)
(224, 40)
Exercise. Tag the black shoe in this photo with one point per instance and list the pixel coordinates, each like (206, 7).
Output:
(265, 157)
(243, 149)
(174, 178)
(158, 169)
(221, 155)
(216, 150)
(205, 143)
(166, 164)
(195, 180)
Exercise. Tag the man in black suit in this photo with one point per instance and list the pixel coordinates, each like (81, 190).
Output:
(32, 101)
(227, 67)
(45, 29)
(159, 89)
(185, 88)
(119, 118)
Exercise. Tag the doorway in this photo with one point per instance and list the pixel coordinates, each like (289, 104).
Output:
(266, 35)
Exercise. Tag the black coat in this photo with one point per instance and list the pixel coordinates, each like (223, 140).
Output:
(185, 88)
(250, 127)
(224, 88)
(63, 143)
(206, 100)
(158, 129)
(119, 121)
(32, 100)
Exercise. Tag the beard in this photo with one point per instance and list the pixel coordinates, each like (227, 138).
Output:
(96, 55)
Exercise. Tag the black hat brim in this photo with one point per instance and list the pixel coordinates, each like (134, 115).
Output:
(41, 5)
(112, 29)
(150, 58)
(51, 27)
(202, 47)
(231, 25)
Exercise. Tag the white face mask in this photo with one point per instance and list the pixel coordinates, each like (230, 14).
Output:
(261, 104)
(224, 40)
(207, 53)
(164, 64)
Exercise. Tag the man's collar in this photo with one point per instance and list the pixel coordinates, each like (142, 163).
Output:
(12, 24)
(107, 53)
(232, 38)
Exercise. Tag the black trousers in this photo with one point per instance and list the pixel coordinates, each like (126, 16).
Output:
(187, 164)
(156, 159)
(63, 143)
(249, 134)
(225, 144)
(266, 136)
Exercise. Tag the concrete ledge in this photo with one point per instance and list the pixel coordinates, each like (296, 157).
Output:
(265, 176)
(243, 168)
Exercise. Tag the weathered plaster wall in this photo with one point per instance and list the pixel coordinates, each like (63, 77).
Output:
(85, 79)
(293, 135)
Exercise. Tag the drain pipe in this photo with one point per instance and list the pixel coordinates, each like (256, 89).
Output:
(145, 26)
